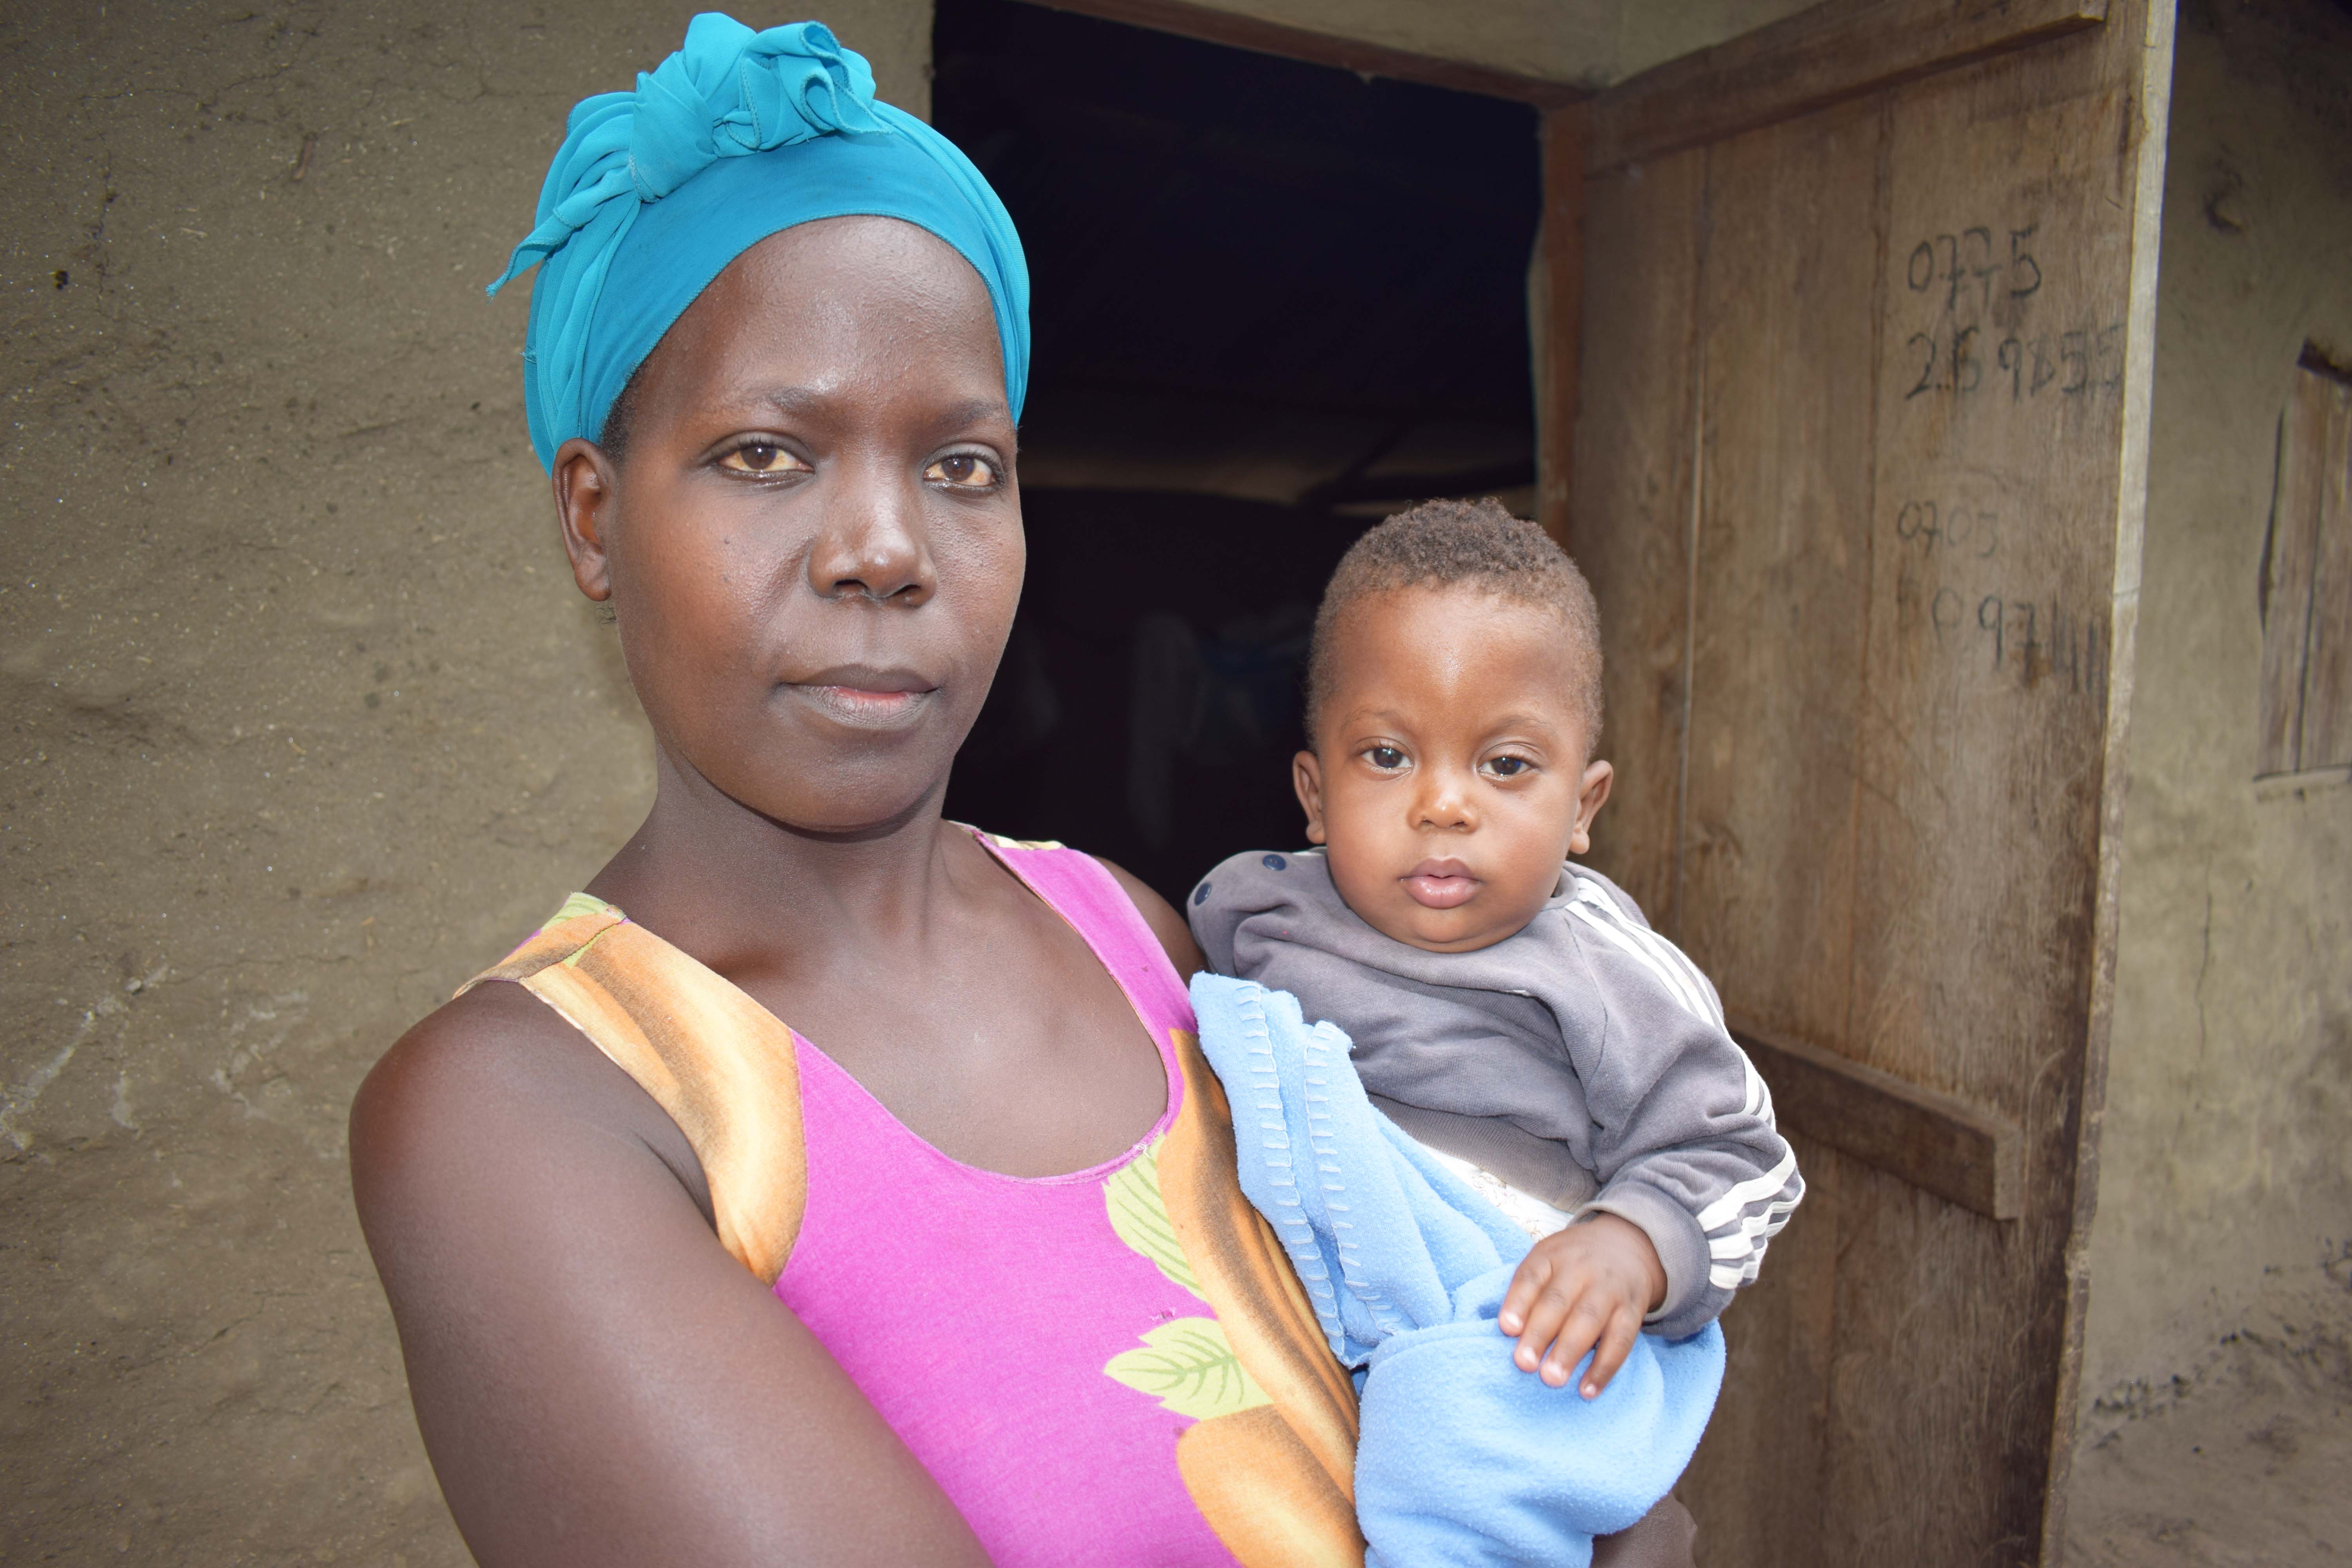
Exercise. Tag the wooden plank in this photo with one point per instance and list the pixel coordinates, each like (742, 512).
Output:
(1558, 311)
(1932, 1141)
(1781, 579)
(2290, 561)
(1633, 489)
(2145, 82)
(2006, 474)
(1261, 36)
(2327, 658)
(2012, 338)
(1937, 1436)
(1781, 554)
(1639, 499)
(1754, 1483)
(1834, 52)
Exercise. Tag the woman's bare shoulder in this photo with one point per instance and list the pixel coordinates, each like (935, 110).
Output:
(1175, 936)
(496, 1063)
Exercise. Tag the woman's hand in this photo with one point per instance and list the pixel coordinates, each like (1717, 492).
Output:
(1583, 1288)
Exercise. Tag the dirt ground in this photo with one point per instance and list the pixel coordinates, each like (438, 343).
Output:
(2247, 1461)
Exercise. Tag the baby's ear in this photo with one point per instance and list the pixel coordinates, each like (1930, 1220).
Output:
(1592, 793)
(1307, 778)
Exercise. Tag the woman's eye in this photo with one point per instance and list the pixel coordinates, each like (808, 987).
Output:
(965, 470)
(1388, 759)
(762, 458)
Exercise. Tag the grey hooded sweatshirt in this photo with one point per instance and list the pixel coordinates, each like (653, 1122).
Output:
(1583, 1061)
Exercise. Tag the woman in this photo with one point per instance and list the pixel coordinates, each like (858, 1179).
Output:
(954, 1268)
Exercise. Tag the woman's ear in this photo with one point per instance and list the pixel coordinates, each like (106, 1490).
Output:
(587, 489)
(1307, 778)
(1592, 793)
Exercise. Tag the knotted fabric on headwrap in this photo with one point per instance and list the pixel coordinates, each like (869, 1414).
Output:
(738, 135)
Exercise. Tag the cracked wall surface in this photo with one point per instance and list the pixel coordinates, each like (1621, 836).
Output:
(2225, 1188)
(304, 720)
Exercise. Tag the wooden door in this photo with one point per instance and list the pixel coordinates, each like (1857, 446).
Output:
(1868, 301)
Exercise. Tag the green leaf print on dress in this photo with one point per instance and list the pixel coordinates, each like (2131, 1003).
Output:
(1139, 1215)
(1186, 1364)
(1190, 1368)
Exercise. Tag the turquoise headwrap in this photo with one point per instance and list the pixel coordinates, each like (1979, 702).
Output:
(736, 136)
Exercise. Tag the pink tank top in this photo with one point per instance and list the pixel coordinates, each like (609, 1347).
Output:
(1002, 1325)
(1113, 1366)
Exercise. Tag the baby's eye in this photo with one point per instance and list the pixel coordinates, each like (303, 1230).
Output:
(1508, 767)
(965, 470)
(763, 458)
(1388, 759)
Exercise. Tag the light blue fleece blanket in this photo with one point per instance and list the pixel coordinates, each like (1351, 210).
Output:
(1464, 1459)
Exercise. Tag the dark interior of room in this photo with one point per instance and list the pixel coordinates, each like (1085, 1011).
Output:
(1272, 303)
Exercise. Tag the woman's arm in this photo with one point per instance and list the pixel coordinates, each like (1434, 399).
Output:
(597, 1380)
(1169, 927)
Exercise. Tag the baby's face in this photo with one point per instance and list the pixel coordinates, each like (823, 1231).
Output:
(1448, 779)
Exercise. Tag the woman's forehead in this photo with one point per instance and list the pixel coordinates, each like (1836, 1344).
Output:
(821, 308)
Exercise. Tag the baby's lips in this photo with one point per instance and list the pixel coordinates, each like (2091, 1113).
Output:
(1446, 892)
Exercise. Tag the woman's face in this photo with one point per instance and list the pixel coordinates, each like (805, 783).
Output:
(813, 542)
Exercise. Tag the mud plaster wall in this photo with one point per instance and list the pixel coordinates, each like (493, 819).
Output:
(301, 723)
(2225, 1191)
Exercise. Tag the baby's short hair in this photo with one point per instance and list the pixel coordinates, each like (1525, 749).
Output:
(1442, 544)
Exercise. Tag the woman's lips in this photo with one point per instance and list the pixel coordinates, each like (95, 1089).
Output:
(1441, 884)
(864, 699)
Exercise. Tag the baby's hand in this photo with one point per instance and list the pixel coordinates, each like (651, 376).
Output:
(1589, 1284)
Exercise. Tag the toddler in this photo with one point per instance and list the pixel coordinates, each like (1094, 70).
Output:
(1511, 1011)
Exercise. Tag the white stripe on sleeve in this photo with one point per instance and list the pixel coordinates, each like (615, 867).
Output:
(1662, 958)
(1675, 984)
(1755, 1189)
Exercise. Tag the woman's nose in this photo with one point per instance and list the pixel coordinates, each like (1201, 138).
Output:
(874, 544)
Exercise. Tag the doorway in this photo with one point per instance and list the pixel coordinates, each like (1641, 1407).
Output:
(1796, 289)
(1273, 303)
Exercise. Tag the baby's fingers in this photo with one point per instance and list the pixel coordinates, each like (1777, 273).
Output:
(1552, 1309)
(1534, 1273)
(1616, 1345)
(1578, 1335)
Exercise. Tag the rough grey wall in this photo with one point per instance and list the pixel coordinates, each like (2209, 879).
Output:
(2225, 1193)
(304, 721)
